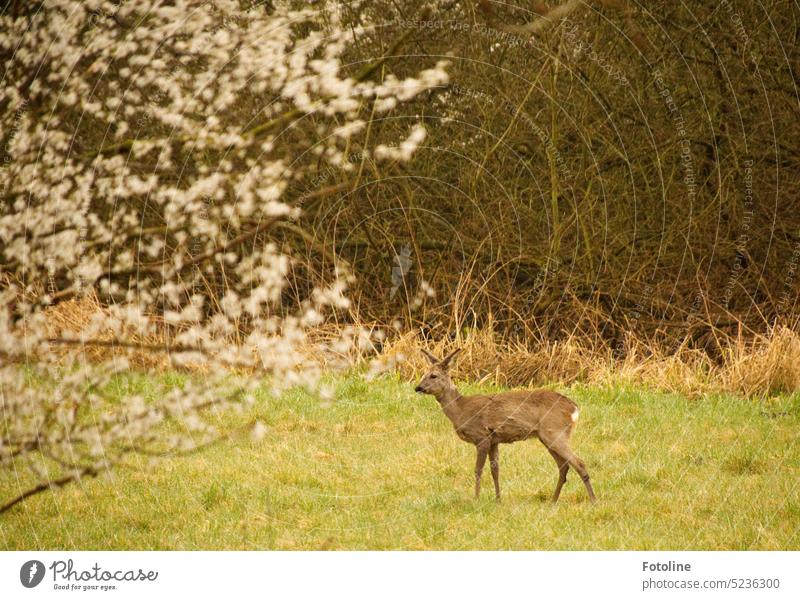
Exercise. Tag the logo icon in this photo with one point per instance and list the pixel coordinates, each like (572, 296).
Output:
(31, 573)
(401, 269)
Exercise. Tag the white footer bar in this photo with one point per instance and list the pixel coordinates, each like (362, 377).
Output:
(390, 575)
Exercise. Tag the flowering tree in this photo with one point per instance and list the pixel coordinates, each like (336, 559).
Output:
(148, 148)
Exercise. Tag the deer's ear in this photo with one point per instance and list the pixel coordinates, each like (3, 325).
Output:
(431, 358)
(446, 360)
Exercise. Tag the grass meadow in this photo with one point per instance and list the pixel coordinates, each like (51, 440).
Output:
(381, 468)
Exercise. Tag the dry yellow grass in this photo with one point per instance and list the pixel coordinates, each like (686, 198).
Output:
(764, 365)
(67, 319)
(758, 366)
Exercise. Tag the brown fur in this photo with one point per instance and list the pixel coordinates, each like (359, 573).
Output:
(488, 420)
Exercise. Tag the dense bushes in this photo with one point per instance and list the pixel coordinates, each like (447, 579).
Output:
(625, 169)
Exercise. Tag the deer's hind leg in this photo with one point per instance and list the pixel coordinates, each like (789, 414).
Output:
(563, 467)
(558, 443)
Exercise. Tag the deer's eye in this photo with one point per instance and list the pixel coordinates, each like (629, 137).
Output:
(434, 376)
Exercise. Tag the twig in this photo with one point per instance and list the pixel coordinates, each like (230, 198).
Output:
(555, 14)
(43, 487)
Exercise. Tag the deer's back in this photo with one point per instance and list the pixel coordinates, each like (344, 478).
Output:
(516, 415)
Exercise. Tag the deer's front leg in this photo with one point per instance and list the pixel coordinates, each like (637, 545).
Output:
(494, 463)
(483, 450)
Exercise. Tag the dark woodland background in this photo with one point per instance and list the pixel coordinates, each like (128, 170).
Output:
(626, 170)
(602, 169)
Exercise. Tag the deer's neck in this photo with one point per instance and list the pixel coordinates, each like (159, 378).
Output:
(449, 401)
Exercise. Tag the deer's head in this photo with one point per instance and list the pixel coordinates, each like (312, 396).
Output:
(437, 379)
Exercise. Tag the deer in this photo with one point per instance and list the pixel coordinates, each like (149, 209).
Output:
(488, 420)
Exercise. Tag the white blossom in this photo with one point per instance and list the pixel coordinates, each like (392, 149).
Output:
(135, 173)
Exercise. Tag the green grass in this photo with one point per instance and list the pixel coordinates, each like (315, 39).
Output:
(381, 468)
